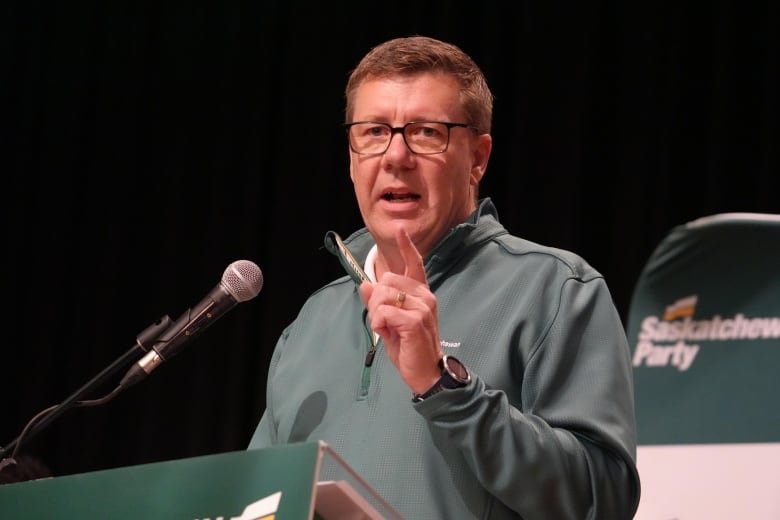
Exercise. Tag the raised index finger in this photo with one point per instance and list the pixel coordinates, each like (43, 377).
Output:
(412, 258)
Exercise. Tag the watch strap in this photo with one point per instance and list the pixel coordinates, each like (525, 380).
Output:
(449, 379)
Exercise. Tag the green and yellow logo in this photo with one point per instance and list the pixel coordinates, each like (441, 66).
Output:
(669, 340)
(263, 509)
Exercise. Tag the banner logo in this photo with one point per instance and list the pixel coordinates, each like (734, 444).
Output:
(669, 341)
(263, 509)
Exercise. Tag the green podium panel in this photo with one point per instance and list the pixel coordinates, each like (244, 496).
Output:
(704, 326)
(279, 482)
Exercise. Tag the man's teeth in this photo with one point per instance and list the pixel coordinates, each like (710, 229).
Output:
(400, 196)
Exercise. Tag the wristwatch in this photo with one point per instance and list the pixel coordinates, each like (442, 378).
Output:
(454, 374)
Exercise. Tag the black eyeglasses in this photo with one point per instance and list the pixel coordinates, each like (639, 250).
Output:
(422, 137)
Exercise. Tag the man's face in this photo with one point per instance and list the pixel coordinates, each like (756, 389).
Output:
(426, 194)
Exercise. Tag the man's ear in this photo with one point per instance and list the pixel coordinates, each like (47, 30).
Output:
(351, 166)
(481, 156)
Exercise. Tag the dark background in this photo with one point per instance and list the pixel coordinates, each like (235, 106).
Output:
(146, 146)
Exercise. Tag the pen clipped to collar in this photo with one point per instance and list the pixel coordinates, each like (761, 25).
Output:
(336, 246)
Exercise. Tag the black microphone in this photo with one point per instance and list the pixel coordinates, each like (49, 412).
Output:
(241, 281)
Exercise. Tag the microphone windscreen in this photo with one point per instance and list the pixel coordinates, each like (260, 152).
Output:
(243, 280)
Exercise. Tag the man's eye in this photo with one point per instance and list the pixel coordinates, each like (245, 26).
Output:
(376, 131)
(426, 131)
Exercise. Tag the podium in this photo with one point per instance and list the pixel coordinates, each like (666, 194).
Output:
(704, 328)
(295, 481)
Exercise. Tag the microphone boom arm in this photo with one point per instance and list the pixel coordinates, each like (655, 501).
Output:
(147, 336)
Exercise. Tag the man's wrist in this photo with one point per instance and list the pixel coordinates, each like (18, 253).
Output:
(454, 374)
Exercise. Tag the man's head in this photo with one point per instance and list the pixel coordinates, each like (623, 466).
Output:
(425, 179)
(418, 54)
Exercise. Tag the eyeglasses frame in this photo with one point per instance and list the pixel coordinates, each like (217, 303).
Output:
(402, 130)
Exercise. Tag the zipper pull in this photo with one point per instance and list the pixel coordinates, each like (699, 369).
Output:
(372, 351)
(370, 356)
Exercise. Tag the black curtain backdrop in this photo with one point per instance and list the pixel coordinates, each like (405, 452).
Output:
(146, 146)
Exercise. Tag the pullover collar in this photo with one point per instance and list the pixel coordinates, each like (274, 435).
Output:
(482, 225)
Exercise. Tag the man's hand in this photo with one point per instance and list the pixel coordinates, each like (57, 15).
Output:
(402, 309)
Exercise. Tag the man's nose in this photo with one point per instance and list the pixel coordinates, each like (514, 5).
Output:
(398, 143)
(398, 156)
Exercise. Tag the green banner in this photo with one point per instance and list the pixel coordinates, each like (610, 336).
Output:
(704, 326)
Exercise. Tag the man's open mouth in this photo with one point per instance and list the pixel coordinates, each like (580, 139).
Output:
(400, 197)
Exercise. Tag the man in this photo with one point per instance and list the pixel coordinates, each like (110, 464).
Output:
(474, 374)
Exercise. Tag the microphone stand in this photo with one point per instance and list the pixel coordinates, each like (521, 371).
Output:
(148, 336)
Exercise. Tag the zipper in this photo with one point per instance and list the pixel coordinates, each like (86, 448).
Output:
(373, 340)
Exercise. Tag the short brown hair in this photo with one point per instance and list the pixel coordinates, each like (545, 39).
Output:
(418, 54)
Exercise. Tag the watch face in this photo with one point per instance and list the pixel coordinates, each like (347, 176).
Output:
(456, 369)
